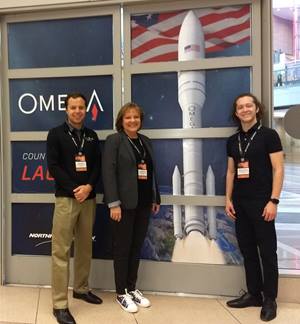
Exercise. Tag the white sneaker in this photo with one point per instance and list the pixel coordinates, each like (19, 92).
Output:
(126, 302)
(139, 299)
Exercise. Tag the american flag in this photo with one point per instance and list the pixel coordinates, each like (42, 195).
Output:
(154, 37)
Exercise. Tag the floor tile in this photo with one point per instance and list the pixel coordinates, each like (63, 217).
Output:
(184, 310)
(18, 304)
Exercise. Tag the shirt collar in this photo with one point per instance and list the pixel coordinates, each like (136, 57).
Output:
(71, 128)
(251, 130)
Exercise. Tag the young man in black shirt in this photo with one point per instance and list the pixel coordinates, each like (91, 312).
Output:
(73, 155)
(253, 185)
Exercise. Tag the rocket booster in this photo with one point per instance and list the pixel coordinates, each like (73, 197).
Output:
(211, 211)
(177, 216)
(191, 97)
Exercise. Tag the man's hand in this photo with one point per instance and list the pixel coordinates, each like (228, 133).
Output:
(269, 212)
(82, 192)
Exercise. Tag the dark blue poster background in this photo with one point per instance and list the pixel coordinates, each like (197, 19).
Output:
(32, 225)
(35, 104)
(29, 168)
(70, 42)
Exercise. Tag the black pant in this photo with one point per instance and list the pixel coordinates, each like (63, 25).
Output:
(128, 238)
(254, 233)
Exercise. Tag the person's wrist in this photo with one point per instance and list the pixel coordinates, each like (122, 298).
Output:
(274, 201)
(89, 187)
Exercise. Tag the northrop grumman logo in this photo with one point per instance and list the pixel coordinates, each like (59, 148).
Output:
(40, 235)
(29, 103)
(46, 238)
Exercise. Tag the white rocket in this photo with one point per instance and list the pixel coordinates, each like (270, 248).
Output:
(191, 97)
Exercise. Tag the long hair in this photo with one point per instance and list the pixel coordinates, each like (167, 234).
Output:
(258, 104)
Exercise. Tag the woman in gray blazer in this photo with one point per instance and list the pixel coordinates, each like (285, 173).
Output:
(131, 193)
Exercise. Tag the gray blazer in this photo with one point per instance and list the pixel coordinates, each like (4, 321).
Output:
(119, 172)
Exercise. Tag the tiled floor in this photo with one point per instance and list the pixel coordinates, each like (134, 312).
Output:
(33, 305)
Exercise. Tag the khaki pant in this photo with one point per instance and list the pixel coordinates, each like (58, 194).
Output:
(71, 220)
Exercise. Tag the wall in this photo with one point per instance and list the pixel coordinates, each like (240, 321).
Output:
(282, 35)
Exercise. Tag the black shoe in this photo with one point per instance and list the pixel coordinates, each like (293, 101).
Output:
(269, 309)
(89, 297)
(246, 300)
(63, 316)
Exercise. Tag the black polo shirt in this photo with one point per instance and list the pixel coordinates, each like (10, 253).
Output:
(259, 184)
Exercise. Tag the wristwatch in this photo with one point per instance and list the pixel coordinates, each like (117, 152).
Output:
(274, 201)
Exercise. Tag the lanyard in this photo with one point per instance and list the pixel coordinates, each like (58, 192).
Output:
(80, 149)
(142, 155)
(243, 153)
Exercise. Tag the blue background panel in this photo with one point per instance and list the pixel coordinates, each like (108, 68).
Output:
(62, 42)
(35, 104)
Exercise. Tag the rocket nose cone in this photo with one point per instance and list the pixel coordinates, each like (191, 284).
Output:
(191, 38)
(176, 170)
(191, 17)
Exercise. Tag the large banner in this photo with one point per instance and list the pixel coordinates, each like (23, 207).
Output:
(191, 100)
(38, 104)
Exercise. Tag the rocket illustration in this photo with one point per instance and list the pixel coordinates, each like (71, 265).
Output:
(211, 210)
(176, 180)
(193, 246)
(191, 97)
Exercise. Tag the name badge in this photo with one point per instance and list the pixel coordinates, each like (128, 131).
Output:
(142, 171)
(80, 163)
(243, 171)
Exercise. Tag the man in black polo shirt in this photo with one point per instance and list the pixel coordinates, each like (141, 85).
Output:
(253, 185)
(73, 155)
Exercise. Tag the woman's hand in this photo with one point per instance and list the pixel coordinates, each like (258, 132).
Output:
(116, 213)
(229, 209)
(155, 208)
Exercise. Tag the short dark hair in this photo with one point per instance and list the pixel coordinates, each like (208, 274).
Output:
(75, 95)
(258, 104)
(123, 110)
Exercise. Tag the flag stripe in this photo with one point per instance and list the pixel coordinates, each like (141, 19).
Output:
(227, 31)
